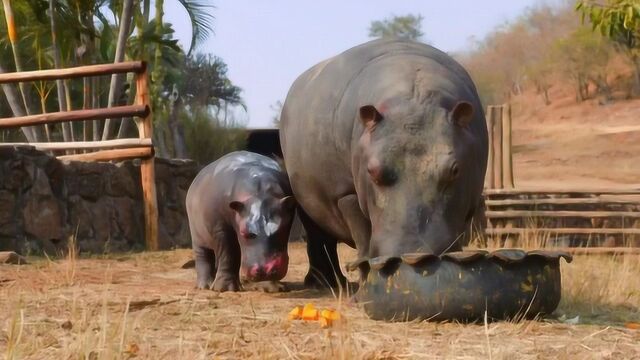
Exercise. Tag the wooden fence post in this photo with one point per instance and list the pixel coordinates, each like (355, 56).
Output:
(497, 147)
(147, 167)
(507, 157)
(490, 173)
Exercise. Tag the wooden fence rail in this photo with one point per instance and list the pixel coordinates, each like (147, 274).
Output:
(138, 67)
(119, 149)
(588, 216)
(75, 115)
(86, 145)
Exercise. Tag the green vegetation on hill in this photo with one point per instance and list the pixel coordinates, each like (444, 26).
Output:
(550, 46)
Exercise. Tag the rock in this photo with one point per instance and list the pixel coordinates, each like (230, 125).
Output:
(42, 218)
(119, 183)
(7, 214)
(10, 257)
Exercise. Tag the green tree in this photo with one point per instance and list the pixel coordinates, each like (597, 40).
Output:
(618, 20)
(200, 91)
(582, 57)
(277, 112)
(404, 27)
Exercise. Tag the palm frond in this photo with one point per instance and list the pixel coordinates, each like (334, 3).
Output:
(201, 20)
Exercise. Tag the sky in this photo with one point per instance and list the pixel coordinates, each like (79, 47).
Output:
(267, 44)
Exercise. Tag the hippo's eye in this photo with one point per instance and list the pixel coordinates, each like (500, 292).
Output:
(454, 171)
(248, 235)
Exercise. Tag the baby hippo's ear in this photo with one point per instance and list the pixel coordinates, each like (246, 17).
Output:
(237, 206)
(288, 202)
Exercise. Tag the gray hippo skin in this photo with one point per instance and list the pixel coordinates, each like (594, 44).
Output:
(385, 146)
(240, 211)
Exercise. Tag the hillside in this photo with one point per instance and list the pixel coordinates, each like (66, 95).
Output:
(575, 144)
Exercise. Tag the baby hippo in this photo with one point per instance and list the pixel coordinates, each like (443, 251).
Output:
(240, 212)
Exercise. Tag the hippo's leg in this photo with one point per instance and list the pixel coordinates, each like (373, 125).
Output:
(359, 226)
(205, 266)
(322, 250)
(227, 262)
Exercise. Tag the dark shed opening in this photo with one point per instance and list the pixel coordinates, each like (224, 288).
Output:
(264, 141)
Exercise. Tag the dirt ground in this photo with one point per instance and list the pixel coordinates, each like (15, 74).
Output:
(144, 306)
(572, 145)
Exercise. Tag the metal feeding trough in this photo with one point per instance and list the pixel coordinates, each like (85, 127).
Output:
(506, 283)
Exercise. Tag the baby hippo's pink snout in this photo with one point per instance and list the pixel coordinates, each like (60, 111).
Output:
(273, 269)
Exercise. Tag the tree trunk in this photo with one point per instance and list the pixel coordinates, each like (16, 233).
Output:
(24, 91)
(13, 98)
(158, 70)
(636, 74)
(95, 103)
(57, 63)
(159, 142)
(117, 79)
(177, 131)
(545, 95)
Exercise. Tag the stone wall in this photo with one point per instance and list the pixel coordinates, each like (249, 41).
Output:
(44, 202)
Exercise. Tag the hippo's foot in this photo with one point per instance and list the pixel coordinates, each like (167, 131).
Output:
(226, 283)
(267, 286)
(317, 280)
(204, 284)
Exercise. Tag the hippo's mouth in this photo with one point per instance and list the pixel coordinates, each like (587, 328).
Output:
(272, 269)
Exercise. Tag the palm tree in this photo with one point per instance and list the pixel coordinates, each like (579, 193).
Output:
(24, 92)
(116, 80)
(67, 134)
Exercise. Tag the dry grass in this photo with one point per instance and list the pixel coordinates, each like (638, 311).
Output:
(144, 306)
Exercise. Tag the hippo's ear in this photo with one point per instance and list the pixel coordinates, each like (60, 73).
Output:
(462, 113)
(288, 202)
(237, 206)
(369, 116)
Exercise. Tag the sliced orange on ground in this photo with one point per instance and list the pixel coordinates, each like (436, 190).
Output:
(632, 325)
(296, 313)
(309, 312)
(326, 317)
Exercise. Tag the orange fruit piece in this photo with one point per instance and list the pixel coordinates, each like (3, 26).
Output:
(309, 312)
(632, 325)
(325, 322)
(331, 315)
(296, 313)
(328, 317)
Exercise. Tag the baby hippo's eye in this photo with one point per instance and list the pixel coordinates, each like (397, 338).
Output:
(248, 235)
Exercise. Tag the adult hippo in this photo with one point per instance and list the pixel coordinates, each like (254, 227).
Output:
(385, 146)
(240, 211)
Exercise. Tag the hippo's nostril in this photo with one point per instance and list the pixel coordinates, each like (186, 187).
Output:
(381, 176)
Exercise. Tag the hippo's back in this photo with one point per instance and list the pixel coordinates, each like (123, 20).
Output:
(236, 171)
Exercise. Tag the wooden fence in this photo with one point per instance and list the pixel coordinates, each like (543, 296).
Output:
(583, 213)
(500, 161)
(107, 150)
